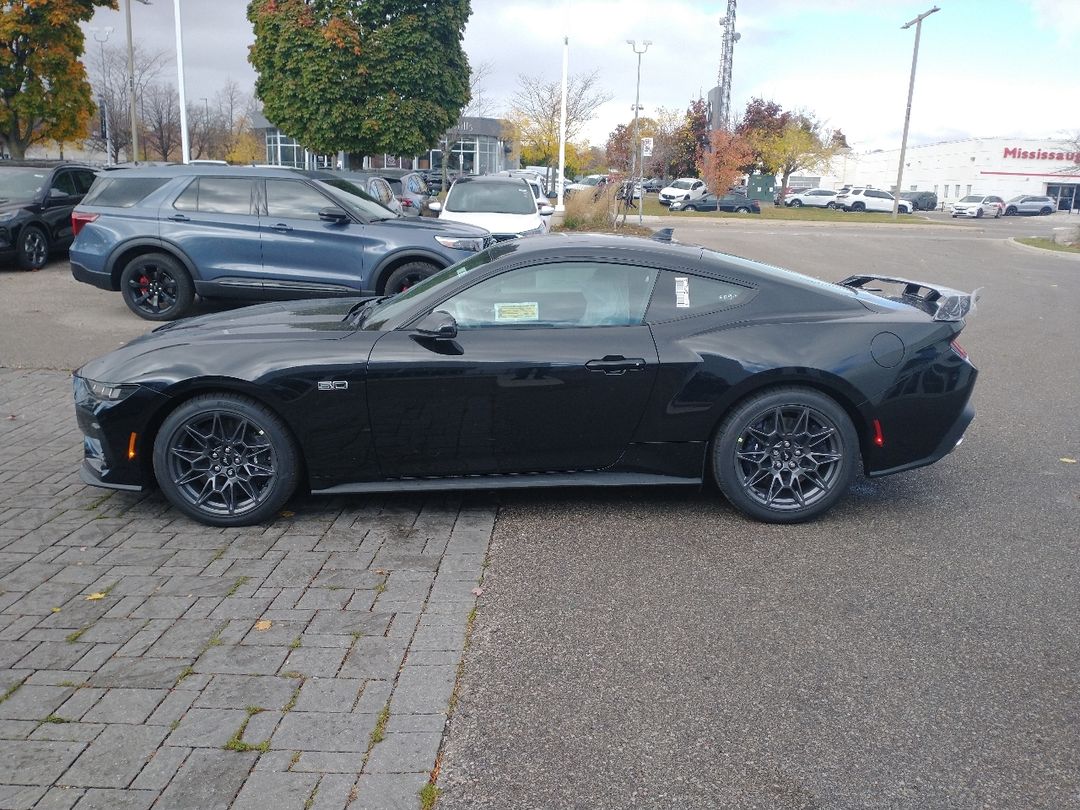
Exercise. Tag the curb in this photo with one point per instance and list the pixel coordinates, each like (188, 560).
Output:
(1044, 251)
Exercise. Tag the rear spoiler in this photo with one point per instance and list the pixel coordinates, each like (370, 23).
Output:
(941, 303)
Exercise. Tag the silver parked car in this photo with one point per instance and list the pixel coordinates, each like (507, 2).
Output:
(377, 187)
(1027, 204)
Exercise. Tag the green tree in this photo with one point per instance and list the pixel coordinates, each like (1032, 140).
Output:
(44, 94)
(688, 141)
(366, 76)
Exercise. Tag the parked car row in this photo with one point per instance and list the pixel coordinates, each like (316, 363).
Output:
(36, 201)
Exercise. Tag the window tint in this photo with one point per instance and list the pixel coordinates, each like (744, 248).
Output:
(83, 181)
(225, 195)
(189, 198)
(680, 294)
(291, 199)
(122, 192)
(566, 294)
(64, 183)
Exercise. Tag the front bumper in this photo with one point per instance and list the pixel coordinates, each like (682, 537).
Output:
(965, 212)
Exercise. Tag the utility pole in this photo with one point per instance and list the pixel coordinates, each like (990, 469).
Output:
(131, 83)
(103, 108)
(917, 22)
(635, 146)
(185, 142)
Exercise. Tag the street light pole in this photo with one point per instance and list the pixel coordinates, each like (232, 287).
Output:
(560, 181)
(636, 146)
(103, 106)
(185, 143)
(917, 22)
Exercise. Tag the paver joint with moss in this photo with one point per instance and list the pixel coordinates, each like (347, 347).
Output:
(236, 742)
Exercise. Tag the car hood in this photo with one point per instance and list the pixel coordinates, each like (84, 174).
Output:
(409, 227)
(673, 190)
(13, 205)
(289, 321)
(496, 223)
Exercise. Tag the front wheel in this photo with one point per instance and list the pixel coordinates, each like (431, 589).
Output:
(407, 275)
(226, 460)
(831, 205)
(33, 249)
(689, 208)
(742, 209)
(157, 287)
(1010, 211)
(786, 455)
(795, 204)
(978, 214)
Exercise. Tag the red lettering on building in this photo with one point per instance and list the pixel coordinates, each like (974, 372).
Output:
(1038, 154)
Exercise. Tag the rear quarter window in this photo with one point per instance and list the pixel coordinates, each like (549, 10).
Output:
(678, 295)
(122, 192)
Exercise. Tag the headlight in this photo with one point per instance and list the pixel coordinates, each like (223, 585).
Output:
(686, 196)
(110, 392)
(537, 230)
(7, 216)
(473, 243)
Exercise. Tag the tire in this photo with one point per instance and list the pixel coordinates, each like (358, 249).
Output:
(194, 445)
(795, 204)
(754, 468)
(858, 206)
(831, 205)
(978, 214)
(742, 209)
(1045, 212)
(997, 213)
(407, 275)
(1010, 211)
(32, 252)
(156, 287)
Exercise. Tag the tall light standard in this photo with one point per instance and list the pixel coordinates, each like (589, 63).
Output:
(917, 22)
(103, 107)
(185, 143)
(131, 83)
(635, 166)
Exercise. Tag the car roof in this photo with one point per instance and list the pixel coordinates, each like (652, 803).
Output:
(44, 164)
(181, 170)
(489, 179)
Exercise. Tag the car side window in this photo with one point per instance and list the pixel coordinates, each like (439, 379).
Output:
(293, 199)
(219, 195)
(567, 294)
(414, 185)
(678, 295)
(83, 180)
(64, 184)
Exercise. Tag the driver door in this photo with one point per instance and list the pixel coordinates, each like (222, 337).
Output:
(550, 370)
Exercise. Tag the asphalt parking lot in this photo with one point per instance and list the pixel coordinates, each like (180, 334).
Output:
(916, 648)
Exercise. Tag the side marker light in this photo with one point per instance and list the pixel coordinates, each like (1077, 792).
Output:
(879, 438)
(131, 447)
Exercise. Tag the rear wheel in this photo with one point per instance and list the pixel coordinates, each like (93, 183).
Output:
(858, 206)
(407, 275)
(157, 287)
(785, 455)
(33, 250)
(226, 460)
(1046, 212)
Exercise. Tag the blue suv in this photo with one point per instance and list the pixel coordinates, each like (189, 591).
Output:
(161, 235)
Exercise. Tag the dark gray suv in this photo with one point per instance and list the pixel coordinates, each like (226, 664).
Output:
(162, 235)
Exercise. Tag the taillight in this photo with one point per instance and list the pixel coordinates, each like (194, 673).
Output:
(79, 219)
(956, 347)
(405, 202)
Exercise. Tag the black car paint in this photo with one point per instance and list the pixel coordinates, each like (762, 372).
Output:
(521, 402)
(50, 213)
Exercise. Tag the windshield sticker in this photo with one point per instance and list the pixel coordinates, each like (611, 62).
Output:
(517, 312)
(682, 292)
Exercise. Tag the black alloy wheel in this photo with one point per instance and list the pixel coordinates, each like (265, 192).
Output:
(33, 250)
(226, 460)
(1046, 212)
(407, 275)
(785, 455)
(858, 206)
(1010, 211)
(157, 287)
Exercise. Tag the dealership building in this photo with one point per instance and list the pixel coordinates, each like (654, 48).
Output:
(1006, 167)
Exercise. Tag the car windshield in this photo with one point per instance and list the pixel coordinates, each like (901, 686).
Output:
(591, 180)
(356, 199)
(511, 197)
(682, 184)
(22, 184)
(972, 198)
(429, 289)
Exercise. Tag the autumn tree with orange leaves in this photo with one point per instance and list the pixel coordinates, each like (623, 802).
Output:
(720, 162)
(361, 76)
(44, 94)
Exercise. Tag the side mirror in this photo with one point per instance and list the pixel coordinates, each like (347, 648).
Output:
(333, 215)
(438, 325)
(546, 210)
(435, 206)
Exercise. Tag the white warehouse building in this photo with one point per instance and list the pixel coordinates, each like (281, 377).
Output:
(1006, 167)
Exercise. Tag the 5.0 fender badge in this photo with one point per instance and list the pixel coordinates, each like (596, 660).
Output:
(333, 385)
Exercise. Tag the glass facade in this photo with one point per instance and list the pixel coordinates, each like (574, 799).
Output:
(281, 150)
(474, 154)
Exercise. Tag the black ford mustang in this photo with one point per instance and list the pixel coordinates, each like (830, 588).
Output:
(553, 361)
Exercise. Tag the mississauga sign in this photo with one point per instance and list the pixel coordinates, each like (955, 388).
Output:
(1039, 154)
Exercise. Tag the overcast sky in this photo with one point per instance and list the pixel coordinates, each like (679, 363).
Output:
(985, 68)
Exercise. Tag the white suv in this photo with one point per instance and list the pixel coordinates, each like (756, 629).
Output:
(869, 199)
(814, 197)
(685, 188)
(977, 205)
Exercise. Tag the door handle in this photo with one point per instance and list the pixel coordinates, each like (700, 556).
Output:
(280, 227)
(616, 364)
(178, 218)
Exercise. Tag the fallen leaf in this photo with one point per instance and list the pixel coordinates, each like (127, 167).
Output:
(263, 624)
(1068, 460)
(95, 596)
(286, 513)
(56, 610)
(381, 572)
(477, 591)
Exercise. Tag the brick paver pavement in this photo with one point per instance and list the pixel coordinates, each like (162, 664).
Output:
(149, 661)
